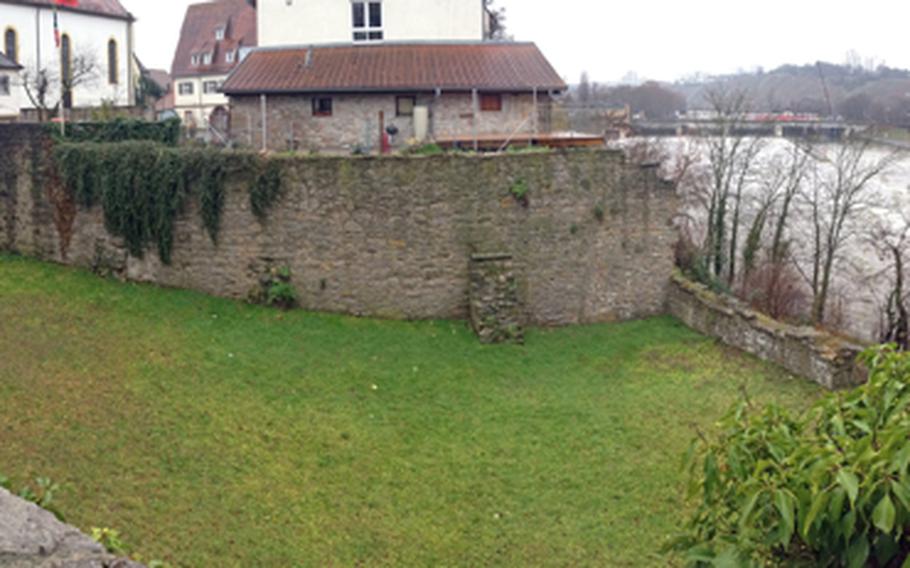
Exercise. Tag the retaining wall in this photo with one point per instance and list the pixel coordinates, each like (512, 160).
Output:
(591, 240)
(804, 351)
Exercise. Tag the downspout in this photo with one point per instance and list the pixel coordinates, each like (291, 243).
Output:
(475, 110)
(130, 87)
(265, 128)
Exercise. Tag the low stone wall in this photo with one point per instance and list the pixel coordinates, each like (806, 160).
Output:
(590, 235)
(804, 351)
(31, 537)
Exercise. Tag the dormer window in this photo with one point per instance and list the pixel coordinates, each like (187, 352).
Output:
(229, 56)
(219, 33)
(206, 58)
(366, 18)
(194, 60)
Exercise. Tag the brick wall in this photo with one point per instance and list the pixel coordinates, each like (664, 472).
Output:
(354, 122)
(393, 236)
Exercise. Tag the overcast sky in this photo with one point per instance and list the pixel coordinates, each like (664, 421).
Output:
(657, 39)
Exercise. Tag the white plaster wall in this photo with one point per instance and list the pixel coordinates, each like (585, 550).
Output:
(88, 34)
(329, 21)
(199, 103)
(11, 103)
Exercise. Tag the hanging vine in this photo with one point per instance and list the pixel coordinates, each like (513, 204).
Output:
(267, 187)
(143, 187)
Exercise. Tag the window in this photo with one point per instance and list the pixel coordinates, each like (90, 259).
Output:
(206, 58)
(4, 85)
(491, 102)
(11, 44)
(66, 70)
(185, 88)
(112, 62)
(219, 33)
(366, 18)
(404, 105)
(322, 106)
(194, 60)
(229, 56)
(210, 87)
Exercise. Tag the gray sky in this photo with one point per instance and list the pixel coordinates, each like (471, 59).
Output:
(660, 39)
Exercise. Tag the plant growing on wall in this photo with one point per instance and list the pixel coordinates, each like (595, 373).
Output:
(267, 187)
(143, 186)
(519, 191)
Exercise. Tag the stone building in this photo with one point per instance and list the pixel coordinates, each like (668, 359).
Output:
(347, 97)
(213, 40)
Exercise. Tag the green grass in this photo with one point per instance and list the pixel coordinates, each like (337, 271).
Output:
(213, 433)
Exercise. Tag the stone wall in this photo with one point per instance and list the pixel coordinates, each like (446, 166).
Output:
(31, 537)
(354, 123)
(804, 351)
(496, 311)
(591, 240)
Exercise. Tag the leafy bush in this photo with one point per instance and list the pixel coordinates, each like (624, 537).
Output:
(123, 130)
(275, 289)
(110, 540)
(829, 487)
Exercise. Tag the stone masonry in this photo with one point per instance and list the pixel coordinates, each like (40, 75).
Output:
(591, 237)
(354, 123)
(804, 351)
(496, 312)
(31, 537)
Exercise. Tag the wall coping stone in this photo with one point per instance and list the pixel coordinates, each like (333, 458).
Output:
(833, 357)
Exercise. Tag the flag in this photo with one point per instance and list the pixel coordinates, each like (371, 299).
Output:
(67, 4)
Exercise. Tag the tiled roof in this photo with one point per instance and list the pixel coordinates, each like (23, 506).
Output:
(109, 8)
(395, 67)
(6, 63)
(197, 36)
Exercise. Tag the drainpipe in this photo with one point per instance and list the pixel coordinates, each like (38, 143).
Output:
(265, 129)
(475, 110)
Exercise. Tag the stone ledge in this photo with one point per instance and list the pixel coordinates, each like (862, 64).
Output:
(825, 358)
(31, 537)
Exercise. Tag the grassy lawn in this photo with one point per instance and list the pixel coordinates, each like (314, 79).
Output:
(213, 433)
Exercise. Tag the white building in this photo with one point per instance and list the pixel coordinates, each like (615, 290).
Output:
(9, 94)
(97, 35)
(302, 22)
(214, 38)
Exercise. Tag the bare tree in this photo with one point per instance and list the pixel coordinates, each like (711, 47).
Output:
(838, 196)
(891, 242)
(731, 162)
(497, 19)
(46, 86)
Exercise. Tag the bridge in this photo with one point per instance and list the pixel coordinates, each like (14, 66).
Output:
(829, 129)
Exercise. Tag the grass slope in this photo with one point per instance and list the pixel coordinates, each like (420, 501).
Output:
(213, 433)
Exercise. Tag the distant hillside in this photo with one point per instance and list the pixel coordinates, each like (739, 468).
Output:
(859, 94)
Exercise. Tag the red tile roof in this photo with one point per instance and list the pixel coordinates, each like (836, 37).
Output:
(197, 36)
(512, 67)
(108, 8)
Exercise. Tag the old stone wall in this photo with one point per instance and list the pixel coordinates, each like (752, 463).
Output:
(354, 123)
(590, 235)
(804, 351)
(31, 537)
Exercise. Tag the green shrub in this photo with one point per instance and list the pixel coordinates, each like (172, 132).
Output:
(123, 130)
(829, 487)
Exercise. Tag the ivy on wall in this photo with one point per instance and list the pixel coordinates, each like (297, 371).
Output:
(121, 130)
(143, 186)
